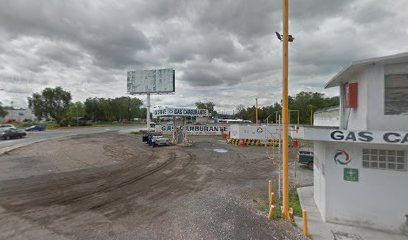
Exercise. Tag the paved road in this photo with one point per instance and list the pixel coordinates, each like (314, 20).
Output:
(49, 134)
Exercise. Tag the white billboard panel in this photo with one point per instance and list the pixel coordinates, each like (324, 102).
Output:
(151, 81)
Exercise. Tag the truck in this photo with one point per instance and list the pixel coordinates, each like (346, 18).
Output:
(306, 157)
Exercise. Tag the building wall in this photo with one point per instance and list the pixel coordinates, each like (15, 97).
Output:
(329, 118)
(369, 114)
(19, 115)
(319, 179)
(357, 118)
(376, 118)
(378, 200)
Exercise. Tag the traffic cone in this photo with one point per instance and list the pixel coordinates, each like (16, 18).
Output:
(241, 143)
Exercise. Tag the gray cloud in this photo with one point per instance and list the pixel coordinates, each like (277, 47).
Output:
(220, 49)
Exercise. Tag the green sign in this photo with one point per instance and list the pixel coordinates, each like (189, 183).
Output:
(350, 174)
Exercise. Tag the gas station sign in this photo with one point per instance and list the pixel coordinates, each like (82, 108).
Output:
(191, 112)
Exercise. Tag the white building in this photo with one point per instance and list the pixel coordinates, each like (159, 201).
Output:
(327, 117)
(360, 168)
(18, 114)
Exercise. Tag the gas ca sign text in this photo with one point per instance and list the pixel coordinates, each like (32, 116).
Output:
(369, 137)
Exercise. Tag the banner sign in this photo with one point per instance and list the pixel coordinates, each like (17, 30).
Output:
(192, 112)
(200, 129)
(254, 132)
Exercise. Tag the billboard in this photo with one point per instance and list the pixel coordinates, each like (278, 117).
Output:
(151, 81)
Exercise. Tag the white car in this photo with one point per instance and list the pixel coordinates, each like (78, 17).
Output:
(160, 141)
(8, 126)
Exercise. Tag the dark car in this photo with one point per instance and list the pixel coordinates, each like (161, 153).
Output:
(305, 157)
(8, 133)
(35, 128)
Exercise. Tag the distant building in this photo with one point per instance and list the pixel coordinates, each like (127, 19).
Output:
(360, 166)
(329, 117)
(18, 115)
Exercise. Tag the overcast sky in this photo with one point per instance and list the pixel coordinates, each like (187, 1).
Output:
(222, 51)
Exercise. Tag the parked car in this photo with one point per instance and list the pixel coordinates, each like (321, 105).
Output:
(7, 126)
(9, 133)
(160, 141)
(305, 157)
(36, 127)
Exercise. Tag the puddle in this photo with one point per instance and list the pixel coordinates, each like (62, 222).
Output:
(220, 150)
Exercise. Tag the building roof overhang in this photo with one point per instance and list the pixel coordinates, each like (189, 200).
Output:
(356, 66)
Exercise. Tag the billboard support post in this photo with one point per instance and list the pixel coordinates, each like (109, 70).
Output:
(148, 111)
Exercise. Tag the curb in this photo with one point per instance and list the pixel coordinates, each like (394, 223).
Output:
(6, 150)
(17, 146)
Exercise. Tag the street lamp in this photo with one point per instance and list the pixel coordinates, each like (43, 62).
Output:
(285, 38)
(280, 37)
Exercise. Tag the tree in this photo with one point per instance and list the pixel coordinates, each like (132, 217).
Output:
(3, 112)
(51, 102)
(240, 109)
(301, 102)
(102, 109)
(75, 110)
(207, 105)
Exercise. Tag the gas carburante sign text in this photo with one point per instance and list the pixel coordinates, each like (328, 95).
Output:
(369, 137)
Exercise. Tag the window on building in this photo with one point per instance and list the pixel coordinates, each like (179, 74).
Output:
(384, 159)
(396, 94)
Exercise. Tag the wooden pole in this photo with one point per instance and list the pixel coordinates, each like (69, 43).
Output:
(256, 111)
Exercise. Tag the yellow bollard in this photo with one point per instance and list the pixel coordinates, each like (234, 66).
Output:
(271, 209)
(281, 211)
(305, 227)
(269, 192)
(272, 199)
(291, 214)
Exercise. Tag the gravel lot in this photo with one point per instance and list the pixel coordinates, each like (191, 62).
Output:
(113, 186)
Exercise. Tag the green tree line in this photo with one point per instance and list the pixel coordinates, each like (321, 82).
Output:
(3, 111)
(303, 103)
(56, 104)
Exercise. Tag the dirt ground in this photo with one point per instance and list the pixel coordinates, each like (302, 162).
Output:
(113, 186)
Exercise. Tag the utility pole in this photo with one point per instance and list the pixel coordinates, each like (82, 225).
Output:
(256, 111)
(285, 137)
(12, 109)
(311, 116)
(148, 112)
